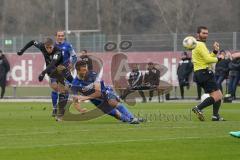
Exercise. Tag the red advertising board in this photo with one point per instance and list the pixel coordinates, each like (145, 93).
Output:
(26, 68)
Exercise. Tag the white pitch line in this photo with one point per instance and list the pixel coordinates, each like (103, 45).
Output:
(97, 129)
(93, 130)
(108, 142)
(25, 100)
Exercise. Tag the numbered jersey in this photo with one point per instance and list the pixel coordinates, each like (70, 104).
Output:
(56, 55)
(67, 52)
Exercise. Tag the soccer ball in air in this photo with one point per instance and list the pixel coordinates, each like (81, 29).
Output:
(189, 42)
(204, 96)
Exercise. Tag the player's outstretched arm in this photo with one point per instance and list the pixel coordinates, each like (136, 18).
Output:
(77, 106)
(235, 55)
(28, 45)
(56, 58)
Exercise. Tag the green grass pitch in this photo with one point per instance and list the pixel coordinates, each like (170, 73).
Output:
(27, 132)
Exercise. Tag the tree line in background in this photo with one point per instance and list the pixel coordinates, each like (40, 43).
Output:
(34, 17)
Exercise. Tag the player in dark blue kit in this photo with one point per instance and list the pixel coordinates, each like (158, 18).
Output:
(69, 60)
(55, 69)
(90, 88)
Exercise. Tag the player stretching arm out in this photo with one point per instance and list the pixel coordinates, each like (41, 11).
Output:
(90, 88)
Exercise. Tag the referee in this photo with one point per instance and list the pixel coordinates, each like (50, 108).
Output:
(202, 60)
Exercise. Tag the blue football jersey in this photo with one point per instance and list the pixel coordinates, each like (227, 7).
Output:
(69, 55)
(86, 86)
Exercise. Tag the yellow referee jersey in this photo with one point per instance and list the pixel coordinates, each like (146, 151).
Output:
(201, 57)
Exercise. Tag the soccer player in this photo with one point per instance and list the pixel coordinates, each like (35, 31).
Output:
(85, 57)
(54, 67)
(202, 60)
(69, 60)
(90, 88)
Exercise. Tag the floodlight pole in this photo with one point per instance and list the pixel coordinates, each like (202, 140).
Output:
(66, 17)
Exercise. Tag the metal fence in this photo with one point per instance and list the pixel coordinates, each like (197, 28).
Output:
(148, 42)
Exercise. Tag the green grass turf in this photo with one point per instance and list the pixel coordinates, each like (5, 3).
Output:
(27, 132)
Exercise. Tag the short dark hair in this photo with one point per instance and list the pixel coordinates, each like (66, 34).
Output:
(80, 64)
(84, 50)
(185, 54)
(222, 51)
(150, 63)
(200, 28)
(48, 42)
(60, 31)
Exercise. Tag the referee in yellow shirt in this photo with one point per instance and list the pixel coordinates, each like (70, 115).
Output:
(202, 61)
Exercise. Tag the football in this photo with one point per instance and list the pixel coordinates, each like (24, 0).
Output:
(189, 42)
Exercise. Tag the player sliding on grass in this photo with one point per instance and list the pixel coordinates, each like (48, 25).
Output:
(90, 88)
(55, 68)
(204, 76)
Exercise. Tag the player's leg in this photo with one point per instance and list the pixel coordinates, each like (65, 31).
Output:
(54, 95)
(234, 87)
(126, 92)
(141, 93)
(217, 95)
(118, 115)
(182, 91)
(181, 86)
(219, 82)
(230, 84)
(119, 106)
(62, 101)
(3, 86)
(206, 80)
(113, 101)
(214, 99)
(198, 109)
(2, 90)
(150, 95)
(199, 91)
(126, 115)
(107, 108)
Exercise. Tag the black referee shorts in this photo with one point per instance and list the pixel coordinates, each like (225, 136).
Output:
(206, 79)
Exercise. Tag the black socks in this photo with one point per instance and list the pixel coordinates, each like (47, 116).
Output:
(207, 102)
(216, 107)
